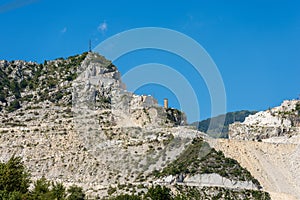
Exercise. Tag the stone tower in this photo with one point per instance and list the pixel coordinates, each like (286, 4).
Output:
(166, 103)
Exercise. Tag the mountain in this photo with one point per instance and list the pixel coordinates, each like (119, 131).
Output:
(219, 125)
(72, 121)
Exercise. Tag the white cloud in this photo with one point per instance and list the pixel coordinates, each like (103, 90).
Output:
(64, 30)
(11, 5)
(102, 27)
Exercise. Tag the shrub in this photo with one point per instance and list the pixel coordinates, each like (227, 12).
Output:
(14, 86)
(76, 193)
(14, 105)
(126, 197)
(58, 191)
(15, 181)
(41, 189)
(111, 190)
(159, 193)
(2, 97)
(23, 84)
(298, 108)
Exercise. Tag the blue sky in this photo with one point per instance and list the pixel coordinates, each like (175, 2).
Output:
(255, 44)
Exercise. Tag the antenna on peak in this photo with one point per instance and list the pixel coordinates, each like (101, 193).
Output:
(90, 46)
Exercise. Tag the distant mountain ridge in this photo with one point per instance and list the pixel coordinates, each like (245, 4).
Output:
(219, 128)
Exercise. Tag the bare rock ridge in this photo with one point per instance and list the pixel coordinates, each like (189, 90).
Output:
(73, 121)
(281, 121)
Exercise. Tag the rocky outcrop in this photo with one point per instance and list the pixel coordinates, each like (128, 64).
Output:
(276, 122)
(210, 180)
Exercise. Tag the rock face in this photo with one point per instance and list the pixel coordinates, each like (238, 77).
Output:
(99, 87)
(283, 120)
(211, 180)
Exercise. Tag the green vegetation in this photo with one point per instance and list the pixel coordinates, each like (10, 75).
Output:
(194, 193)
(159, 193)
(2, 97)
(175, 116)
(76, 193)
(4, 83)
(126, 197)
(14, 105)
(199, 158)
(44, 78)
(298, 108)
(219, 129)
(216, 193)
(14, 178)
(154, 193)
(111, 190)
(15, 181)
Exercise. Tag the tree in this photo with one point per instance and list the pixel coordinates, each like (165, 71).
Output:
(41, 189)
(298, 108)
(14, 105)
(58, 191)
(159, 193)
(2, 96)
(13, 176)
(15, 181)
(75, 193)
(126, 197)
(15, 195)
(14, 86)
(23, 84)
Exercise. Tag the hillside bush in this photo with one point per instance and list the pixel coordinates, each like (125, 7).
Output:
(15, 182)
